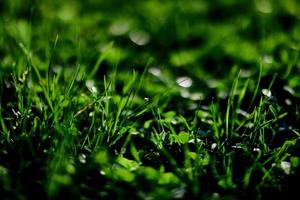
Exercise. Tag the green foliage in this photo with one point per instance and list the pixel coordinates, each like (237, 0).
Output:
(149, 100)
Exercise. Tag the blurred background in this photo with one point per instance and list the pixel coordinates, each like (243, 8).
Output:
(203, 42)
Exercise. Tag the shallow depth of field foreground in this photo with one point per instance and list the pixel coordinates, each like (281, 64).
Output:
(149, 99)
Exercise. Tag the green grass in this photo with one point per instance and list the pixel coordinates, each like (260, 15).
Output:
(149, 100)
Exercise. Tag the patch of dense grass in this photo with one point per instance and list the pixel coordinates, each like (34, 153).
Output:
(149, 99)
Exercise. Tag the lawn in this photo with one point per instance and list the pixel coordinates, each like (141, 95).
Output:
(168, 99)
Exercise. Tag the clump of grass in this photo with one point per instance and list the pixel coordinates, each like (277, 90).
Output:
(78, 121)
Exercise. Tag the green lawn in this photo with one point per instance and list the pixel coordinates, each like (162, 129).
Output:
(149, 99)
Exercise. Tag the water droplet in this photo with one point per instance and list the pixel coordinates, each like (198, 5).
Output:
(154, 71)
(242, 112)
(184, 81)
(102, 172)
(237, 146)
(285, 166)
(267, 92)
(193, 141)
(8, 84)
(213, 83)
(213, 146)
(288, 102)
(246, 73)
(193, 106)
(90, 84)
(215, 195)
(119, 28)
(139, 37)
(197, 96)
(174, 121)
(223, 94)
(82, 158)
(184, 93)
(256, 149)
(267, 59)
(57, 69)
(289, 89)
(178, 193)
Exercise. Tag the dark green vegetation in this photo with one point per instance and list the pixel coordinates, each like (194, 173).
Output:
(173, 99)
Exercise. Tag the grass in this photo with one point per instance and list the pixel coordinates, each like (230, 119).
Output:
(149, 100)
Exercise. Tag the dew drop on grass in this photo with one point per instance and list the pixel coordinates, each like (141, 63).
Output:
(155, 71)
(267, 92)
(213, 146)
(288, 102)
(215, 195)
(8, 84)
(223, 94)
(57, 69)
(119, 28)
(285, 166)
(246, 73)
(184, 93)
(193, 106)
(174, 121)
(242, 112)
(140, 38)
(82, 158)
(281, 129)
(249, 125)
(102, 172)
(213, 83)
(193, 141)
(197, 96)
(267, 59)
(90, 84)
(184, 81)
(256, 149)
(178, 193)
(289, 89)
(237, 146)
